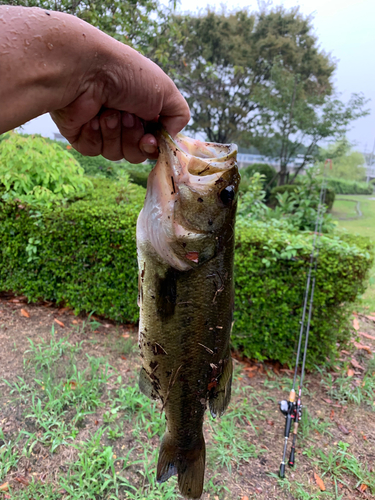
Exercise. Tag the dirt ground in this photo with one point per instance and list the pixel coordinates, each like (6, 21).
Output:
(332, 420)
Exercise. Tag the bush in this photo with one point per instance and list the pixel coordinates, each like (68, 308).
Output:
(294, 188)
(138, 174)
(84, 255)
(33, 170)
(271, 269)
(264, 169)
(342, 186)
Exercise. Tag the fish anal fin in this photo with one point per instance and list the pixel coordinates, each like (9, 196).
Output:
(219, 396)
(145, 385)
(188, 464)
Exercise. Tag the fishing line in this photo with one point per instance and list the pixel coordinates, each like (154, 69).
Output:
(291, 409)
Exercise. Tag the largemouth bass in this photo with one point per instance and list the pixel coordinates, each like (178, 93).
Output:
(185, 242)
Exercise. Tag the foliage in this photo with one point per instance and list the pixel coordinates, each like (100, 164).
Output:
(133, 22)
(271, 266)
(82, 254)
(295, 206)
(138, 173)
(85, 257)
(342, 186)
(35, 171)
(94, 166)
(346, 164)
(296, 188)
(267, 171)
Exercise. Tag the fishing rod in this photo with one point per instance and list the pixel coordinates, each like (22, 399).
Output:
(292, 409)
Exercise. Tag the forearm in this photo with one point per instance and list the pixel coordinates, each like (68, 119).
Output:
(46, 60)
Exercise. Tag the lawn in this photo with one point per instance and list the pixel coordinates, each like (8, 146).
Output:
(73, 424)
(356, 214)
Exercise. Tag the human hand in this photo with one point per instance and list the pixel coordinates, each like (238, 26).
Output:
(122, 94)
(100, 92)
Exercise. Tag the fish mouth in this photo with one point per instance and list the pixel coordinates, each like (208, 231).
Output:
(201, 159)
(174, 219)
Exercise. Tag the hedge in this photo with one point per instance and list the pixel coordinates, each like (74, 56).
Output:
(271, 268)
(342, 186)
(84, 255)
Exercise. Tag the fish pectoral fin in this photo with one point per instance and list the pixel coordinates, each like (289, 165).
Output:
(219, 396)
(188, 464)
(145, 384)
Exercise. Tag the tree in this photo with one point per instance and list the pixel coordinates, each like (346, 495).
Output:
(225, 66)
(133, 22)
(213, 62)
(346, 163)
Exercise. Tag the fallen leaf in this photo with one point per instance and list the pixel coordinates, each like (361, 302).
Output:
(73, 384)
(22, 479)
(355, 324)
(355, 363)
(59, 323)
(96, 422)
(123, 357)
(343, 429)
(332, 414)
(372, 318)
(350, 372)
(75, 322)
(319, 482)
(363, 347)
(25, 313)
(125, 335)
(258, 490)
(270, 422)
(328, 401)
(363, 487)
(245, 498)
(4, 487)
(345, 352)
(63, 310)
(366, 335)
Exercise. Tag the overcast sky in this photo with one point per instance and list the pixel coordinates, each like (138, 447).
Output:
(345, 29)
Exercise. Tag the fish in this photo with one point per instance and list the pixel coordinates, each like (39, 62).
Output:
(185, 247)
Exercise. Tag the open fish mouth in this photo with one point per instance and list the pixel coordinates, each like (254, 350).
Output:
(191, 193)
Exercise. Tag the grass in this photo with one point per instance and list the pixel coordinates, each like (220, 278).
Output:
(79, 406)
(343, 209)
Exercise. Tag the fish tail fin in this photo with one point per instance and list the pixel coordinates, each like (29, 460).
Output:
(188, 464)
(220, 395)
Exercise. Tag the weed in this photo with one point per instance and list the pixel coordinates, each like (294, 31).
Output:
(115, 433)
(9, 454)
(96, 473)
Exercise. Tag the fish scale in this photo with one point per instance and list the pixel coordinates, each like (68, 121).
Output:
(186, 297)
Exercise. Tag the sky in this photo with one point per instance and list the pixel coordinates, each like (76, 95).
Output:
(344, 28)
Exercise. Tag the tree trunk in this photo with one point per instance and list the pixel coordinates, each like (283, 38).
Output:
(283, 175)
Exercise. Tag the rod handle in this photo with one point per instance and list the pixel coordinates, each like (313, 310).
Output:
(282, 470)
(291, 458)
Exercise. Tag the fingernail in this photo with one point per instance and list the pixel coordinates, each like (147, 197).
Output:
(95, 124)
(112, 121)
(149, 149)
(128, 120)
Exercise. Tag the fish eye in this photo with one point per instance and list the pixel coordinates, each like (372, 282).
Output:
(227, 195)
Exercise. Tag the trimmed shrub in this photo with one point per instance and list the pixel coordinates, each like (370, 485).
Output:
(343, 186)
(271, 269)
(264, 169)
(84, 255)
(293, 188)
